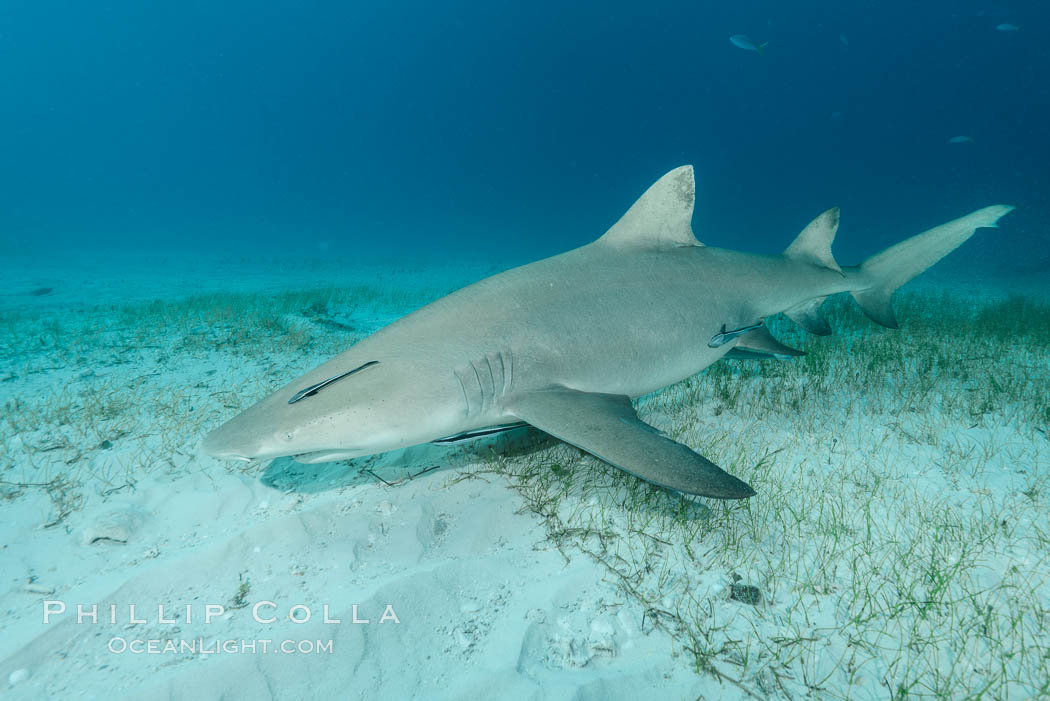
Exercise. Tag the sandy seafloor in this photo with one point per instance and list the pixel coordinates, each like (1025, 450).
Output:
(488, 605)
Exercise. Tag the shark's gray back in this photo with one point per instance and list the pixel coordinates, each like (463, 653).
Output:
(586, 319)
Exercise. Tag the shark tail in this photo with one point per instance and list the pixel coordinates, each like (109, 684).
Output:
(761, 48)
(884, 272)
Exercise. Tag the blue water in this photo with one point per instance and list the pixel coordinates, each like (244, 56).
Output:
(513, 130)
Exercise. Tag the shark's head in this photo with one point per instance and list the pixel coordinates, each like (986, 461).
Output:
(261, 432)
(311, 421)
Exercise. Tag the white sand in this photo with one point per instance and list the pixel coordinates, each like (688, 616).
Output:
(486, 609)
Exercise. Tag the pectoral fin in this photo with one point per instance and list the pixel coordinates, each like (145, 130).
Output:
(606, 426)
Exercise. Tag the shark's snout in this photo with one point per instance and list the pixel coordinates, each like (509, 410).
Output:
(214, 445)
(237, 439)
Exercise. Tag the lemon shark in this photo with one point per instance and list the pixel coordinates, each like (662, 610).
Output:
(564, 344)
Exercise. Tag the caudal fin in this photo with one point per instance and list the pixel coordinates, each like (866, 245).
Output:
(886, 271)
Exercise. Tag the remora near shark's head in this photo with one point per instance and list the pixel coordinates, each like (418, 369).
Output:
(564, 344)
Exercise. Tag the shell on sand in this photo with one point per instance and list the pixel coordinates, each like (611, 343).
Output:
(116, 526)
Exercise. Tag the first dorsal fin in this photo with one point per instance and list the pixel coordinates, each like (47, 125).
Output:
(813, 245)
(660, 218)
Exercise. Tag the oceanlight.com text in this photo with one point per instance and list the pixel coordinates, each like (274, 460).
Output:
(232, 646)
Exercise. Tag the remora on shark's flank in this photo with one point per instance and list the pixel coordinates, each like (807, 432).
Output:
(564, 343)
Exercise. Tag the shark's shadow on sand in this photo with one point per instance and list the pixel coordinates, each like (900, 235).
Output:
(426, 461)
(287, 475)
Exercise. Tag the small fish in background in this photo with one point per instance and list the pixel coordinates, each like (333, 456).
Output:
(742, 42)
(1008, 28)
(961, 140)
(843, 39)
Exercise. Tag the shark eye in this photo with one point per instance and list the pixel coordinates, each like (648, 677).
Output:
(314, 389)
(288, 436)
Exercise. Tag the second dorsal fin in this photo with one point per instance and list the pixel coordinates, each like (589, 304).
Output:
(813, 245)
(660, 218)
